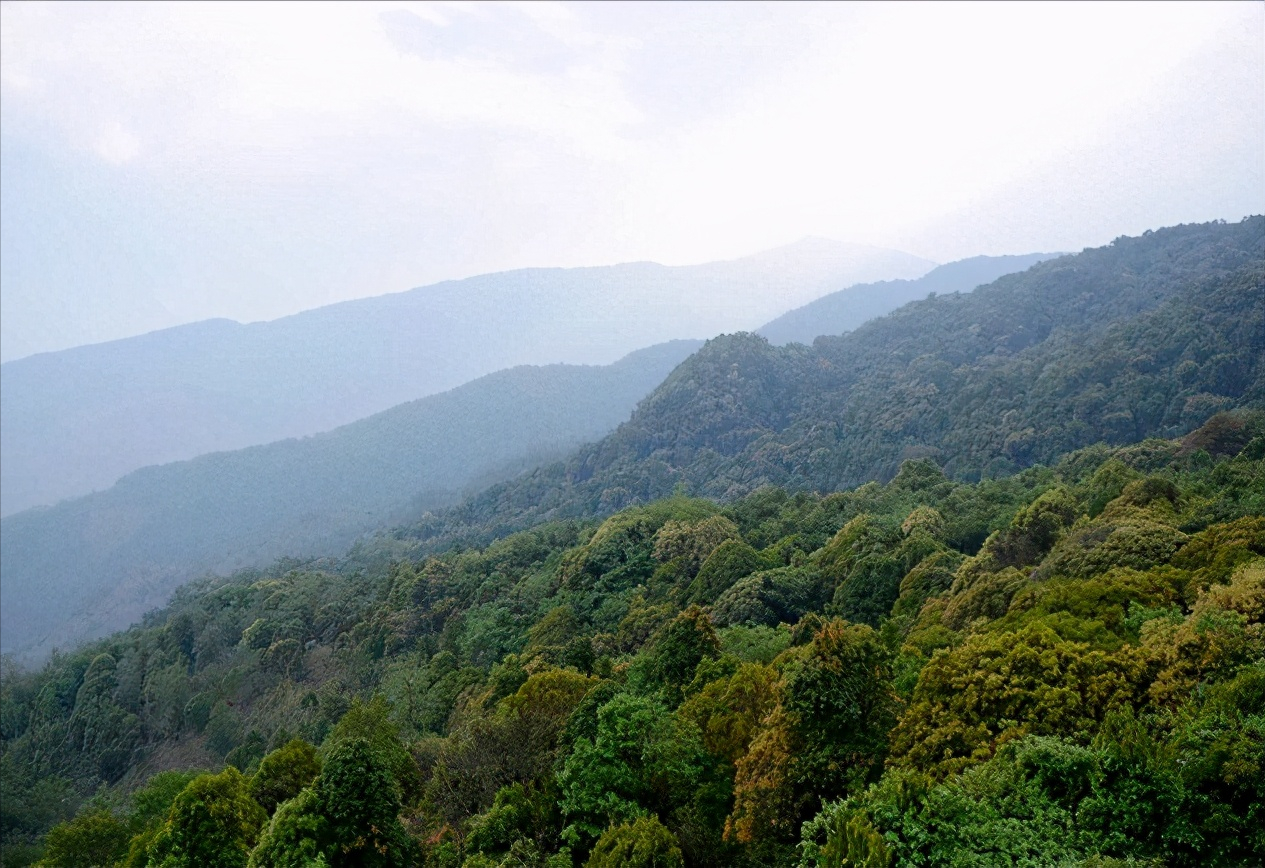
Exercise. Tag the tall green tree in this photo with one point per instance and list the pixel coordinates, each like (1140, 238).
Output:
(284, 773)
(213, 821)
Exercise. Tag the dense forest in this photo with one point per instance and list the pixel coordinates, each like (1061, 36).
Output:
(981, 583)
(1062, 666)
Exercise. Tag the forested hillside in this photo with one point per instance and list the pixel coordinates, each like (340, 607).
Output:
(1062, 667)
(1146, 337)
(981, 583)
(93, 565)
(849, 308)
(76, 421)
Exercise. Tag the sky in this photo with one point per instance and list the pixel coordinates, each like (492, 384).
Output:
(165, 163)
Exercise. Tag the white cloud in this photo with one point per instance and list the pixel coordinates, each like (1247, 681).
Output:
(917, 109)
(342, 149)
(117, 145)
(236, 82)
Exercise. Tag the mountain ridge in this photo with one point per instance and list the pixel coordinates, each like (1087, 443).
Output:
(950, 377)
(849, 308)
(110, 556)
(77, 420)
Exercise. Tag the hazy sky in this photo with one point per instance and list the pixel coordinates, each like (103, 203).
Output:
(166, 163)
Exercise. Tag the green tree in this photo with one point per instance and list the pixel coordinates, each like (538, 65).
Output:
(213, 821)
(357, 797)
(770, 597)
(998, 686)
(284, 773)
(372, 721)
(643, 843)
(518, 814)
(838, 696)
(103, 734)
(729, 710)
(296, 837)
(826, 739)
(675, 651)
(642, 760)
(94, 839)
(148, 809)
(863, 566)
(732, 560)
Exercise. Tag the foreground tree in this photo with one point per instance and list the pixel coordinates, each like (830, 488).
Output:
(349, 819)
(213, 821)
(643, 843)
(284, 773)
(94, 838)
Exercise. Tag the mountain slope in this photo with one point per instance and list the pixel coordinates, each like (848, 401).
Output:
(1038, 625)
(77, 420)
(93, 565)
(849, 308)
(1146, 337)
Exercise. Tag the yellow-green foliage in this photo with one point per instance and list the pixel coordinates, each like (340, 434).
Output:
(643, 843)
(998, 686)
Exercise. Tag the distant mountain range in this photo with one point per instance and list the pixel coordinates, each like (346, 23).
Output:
(849, 308)
(1146, 337)
(92, 565)
(75, 421)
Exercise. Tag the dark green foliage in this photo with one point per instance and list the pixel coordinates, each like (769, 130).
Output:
(640, 760)
(731, 561)
(349, 817)
(147, 809)
(840, 707)
(771, 597)
(1134, 794)
(213, 821)
(356, 796)
(1222, 742)
(518, 814)
(1147, 337)
(558, 627)
(529, 757)
(371, 721)
(1034, 529)
(863, 566)
(1219, 550)
(151, 803)
(620, 553)
(849, 308)
(297, 836)
(504, 758)
(675, 651)
(283, 773)
(515, 742)
(931, 576)
(754, 644)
